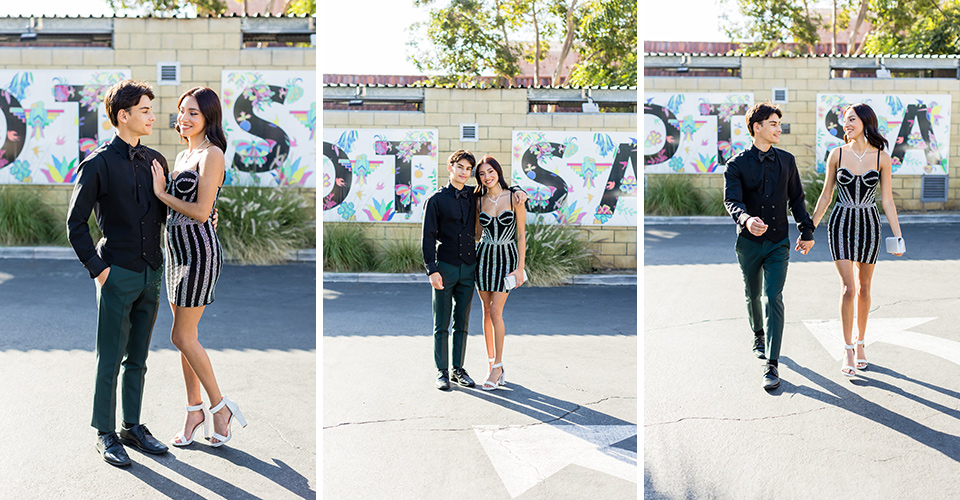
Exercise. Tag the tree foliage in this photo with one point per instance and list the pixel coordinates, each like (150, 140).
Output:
(769, 24)
(464, 39)
(914, 27)
(204, 7)
(608, 44)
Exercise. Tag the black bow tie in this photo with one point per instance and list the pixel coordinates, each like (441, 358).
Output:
(766, 155)
(140, 151)
(463, 192)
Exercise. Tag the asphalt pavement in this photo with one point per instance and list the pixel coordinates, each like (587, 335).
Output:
(260, 334)
(563, 428)
(711, 431)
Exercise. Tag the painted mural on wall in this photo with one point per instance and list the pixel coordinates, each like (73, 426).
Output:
(270, 118)
(51, 120)
(378, 175)
(578, 177)
(917, 129)
(693, 133)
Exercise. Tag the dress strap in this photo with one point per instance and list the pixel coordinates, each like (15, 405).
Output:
(840, 157)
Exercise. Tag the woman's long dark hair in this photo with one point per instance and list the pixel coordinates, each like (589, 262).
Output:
(209, 104)
(871, 130)
(481, 190)
(489, 160)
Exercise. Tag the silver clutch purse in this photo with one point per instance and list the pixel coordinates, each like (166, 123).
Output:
(896, 245)
(510, 281)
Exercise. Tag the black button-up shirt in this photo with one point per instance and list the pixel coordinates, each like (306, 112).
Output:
(120, 192)
(449, 222)
(766, 189)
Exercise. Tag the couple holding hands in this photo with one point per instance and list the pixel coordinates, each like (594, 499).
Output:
(761, 183)
(133, 194)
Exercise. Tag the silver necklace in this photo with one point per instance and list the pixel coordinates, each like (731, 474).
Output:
(860, 156)
(194, 150)
(494, 201)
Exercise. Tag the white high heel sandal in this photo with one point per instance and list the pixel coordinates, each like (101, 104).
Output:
(183, 441)
(844, 368)
(861, 361)
(234, 412)
(501, 382)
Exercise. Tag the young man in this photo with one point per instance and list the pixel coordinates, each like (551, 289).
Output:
(760, 184)
(450, 256)
(115, 181)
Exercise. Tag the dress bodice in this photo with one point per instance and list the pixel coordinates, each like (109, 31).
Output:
(498, 229)
(858, 191)
(184, 186)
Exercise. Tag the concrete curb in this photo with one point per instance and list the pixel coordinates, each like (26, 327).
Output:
(65, 253)
(580, 279)
(724, 219)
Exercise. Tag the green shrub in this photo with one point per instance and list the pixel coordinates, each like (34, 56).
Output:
(555, 252)
(672, 195)
(263, 225)
(346, 248)
(399, 256)
(26, 220)
(713, 204)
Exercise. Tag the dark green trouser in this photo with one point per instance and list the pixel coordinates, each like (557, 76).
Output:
(126, 311)
(764, 268)
(455, 298)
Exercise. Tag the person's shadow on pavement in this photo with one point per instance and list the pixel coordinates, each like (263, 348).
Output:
(559, 413)
(846, 399)
(280, 473)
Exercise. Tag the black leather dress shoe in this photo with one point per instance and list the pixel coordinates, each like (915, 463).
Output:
(443, 380)
(758, 346)
(109, 447)
(140, 438)
(771, 379)
(460, 376)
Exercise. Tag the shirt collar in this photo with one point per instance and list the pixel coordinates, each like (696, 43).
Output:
(770, 153)
(459, 192)
(122, 146)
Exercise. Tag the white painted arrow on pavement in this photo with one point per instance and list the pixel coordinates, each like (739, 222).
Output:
(889, 330)
(526, 455)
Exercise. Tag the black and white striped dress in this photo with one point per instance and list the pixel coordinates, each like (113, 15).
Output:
(854, 227)
(193, 256)
(497, 254)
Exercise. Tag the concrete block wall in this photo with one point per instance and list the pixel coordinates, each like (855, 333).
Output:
(203, 46)
(805, 78)
(498, 112)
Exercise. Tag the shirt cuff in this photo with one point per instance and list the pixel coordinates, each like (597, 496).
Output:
(95, 266)
(432, 268)
(744, 217)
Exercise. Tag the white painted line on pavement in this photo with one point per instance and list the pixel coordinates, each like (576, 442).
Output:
(889, 330)
(524, 455)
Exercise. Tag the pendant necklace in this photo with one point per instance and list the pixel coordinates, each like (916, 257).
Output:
(860, 156)
(494, 201)
(194, 150)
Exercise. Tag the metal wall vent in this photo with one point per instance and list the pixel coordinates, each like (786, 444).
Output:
(168, 73)
(933, 187)
(780, 95)
(468, 132)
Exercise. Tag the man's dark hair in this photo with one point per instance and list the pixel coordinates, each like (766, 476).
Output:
(760, 112)
(125, 95)
(462, 154)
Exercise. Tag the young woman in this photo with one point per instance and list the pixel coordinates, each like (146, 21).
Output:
(857, 169)
(193, 257)
(500, 253)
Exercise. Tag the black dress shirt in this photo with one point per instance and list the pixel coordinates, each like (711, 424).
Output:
(766, 188)
(116, 183)
(449, 222)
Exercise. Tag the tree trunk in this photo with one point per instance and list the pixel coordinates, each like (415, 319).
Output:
(833, 34)
(862, 13)
(536, 51)
(567, 43)
(506, 39)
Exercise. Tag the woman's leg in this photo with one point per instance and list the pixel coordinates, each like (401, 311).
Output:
(865, 275)
(194, 397)
(485, 301)
(496, 312)
(847, 302)
(184, 337)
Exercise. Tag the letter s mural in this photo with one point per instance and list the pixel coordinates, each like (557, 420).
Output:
(270, 118)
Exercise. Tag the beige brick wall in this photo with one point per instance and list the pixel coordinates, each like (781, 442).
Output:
(204, 47)
(806, 77)
(498, 112)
